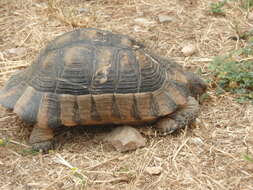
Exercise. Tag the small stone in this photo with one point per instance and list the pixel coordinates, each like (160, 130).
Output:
(16, 51)
(196, 140)
(41, 5)
(154, 170)
(82, 10)
(125, 138)
(143, 21)
(250, 17)
(139, 29)
(189, 50)
(164, 18)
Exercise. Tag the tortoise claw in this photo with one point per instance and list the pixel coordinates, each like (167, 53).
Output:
(44, 146)
(167, 131)
(166, 126)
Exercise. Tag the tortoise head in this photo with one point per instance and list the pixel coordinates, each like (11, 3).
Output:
(197, 85)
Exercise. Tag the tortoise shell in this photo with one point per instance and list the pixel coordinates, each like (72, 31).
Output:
(91, 77)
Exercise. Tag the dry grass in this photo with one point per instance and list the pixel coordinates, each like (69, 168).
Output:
(207, 156)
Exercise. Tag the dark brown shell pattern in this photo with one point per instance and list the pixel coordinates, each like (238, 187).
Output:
(92, 77)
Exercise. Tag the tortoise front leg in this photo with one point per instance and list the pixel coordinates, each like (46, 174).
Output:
(41, 138)
(180, 119)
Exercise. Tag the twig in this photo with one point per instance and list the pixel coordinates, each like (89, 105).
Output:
(116, 180)
(102, 163)
(179, 149)
(214, 181)
(18, 143)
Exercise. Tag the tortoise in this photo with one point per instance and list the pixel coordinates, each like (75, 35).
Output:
(94, 77)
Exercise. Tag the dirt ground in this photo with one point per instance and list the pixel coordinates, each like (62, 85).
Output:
(207, 156)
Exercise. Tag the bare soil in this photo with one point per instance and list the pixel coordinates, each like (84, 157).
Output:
(207, 156)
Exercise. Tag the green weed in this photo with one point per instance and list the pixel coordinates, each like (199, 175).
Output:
(3, 142)
(216, 8)
(235, 75)
(27, 152)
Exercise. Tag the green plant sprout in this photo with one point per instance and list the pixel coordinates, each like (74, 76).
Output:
(247, 158)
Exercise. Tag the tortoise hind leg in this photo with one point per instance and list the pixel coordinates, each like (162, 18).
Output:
(41, 138)
(180, 119)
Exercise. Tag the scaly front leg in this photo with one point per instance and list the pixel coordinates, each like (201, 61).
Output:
(180, 119)
(41, 138)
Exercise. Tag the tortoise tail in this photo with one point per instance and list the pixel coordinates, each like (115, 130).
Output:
(13, 89)
(27, 105)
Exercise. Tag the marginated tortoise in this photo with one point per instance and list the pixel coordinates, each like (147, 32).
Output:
(93, 77)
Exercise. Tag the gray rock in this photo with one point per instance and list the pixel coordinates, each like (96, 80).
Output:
(125, 138)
